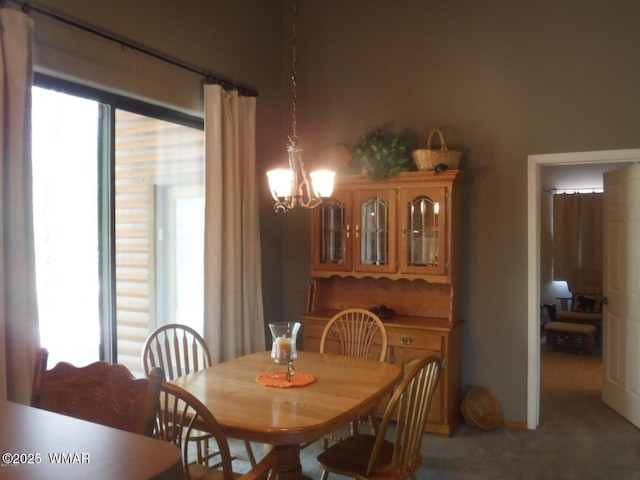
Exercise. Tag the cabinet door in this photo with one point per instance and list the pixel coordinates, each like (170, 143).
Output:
(406, 358)
(375, 230)
(331, 233)
(423, 221)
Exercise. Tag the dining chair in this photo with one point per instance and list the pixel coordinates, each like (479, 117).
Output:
(100, 393)
(179, 350)
(182, 415)
(354, 330)
(364, 457)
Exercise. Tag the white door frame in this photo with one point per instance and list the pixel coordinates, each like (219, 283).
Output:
(533, 256)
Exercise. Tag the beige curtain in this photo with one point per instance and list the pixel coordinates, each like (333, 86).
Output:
(577, 232)
(19, 335)
(234, 317)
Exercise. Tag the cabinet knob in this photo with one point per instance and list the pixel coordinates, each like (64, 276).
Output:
(406, 340)
(335, 333)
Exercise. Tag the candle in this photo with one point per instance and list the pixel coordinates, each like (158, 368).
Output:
(283, 348)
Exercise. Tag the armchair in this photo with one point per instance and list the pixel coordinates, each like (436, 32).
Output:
(585, 304)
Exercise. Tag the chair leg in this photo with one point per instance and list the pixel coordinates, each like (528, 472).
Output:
(330, 438)
(354, 427)
(252, 458)
(201, 447)
(325, 475)
(374, 424)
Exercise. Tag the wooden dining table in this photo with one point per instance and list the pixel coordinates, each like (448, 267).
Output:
(41, 445)
(344, 388)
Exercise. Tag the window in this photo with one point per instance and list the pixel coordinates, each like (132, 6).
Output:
(180, 248)
(119, 221)
(65, 195)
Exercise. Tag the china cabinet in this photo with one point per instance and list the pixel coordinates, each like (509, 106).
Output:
(395, 243)
(398, 228)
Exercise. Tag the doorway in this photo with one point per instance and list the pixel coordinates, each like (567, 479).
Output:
(534, 187)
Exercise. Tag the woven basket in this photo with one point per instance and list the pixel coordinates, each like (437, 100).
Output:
(481, 409)
(429, 158)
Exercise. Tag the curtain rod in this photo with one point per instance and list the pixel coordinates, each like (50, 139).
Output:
(553, 190)
(209, 78)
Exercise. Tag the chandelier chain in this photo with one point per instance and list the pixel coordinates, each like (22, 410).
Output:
(291, 187)
(294, 82)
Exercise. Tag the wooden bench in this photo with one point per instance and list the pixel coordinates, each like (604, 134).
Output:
(570, 336)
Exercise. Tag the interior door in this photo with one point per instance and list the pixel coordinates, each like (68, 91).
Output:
(621, 328)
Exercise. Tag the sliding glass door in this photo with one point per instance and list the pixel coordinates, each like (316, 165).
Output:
(119, 222)
(159, 228)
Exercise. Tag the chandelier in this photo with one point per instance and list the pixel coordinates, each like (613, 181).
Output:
(291, 187)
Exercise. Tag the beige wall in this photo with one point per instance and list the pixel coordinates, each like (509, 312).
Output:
(509, 77)
(512, 78)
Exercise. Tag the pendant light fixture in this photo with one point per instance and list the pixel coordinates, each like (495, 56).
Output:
(291, 187)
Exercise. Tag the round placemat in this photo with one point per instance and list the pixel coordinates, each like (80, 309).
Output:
(279, 379)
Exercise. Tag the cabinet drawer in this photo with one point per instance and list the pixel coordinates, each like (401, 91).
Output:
(415, 339)
(311, 344)
(313, 330)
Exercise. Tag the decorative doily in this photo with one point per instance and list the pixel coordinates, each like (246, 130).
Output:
(279, 379)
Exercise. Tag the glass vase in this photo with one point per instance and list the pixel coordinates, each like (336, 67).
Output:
(283, 350)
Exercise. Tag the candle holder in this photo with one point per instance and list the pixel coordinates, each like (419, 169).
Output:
(283, 351)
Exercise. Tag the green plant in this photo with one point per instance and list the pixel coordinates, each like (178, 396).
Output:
(383, 157)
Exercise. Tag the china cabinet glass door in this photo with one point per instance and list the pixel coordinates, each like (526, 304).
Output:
(423, 246)
(375, 245)
(332, 234)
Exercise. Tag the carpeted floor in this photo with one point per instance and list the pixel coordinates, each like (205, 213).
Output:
(578, 438)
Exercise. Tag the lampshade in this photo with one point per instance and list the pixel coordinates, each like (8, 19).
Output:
(322, 182)
(280, 183)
